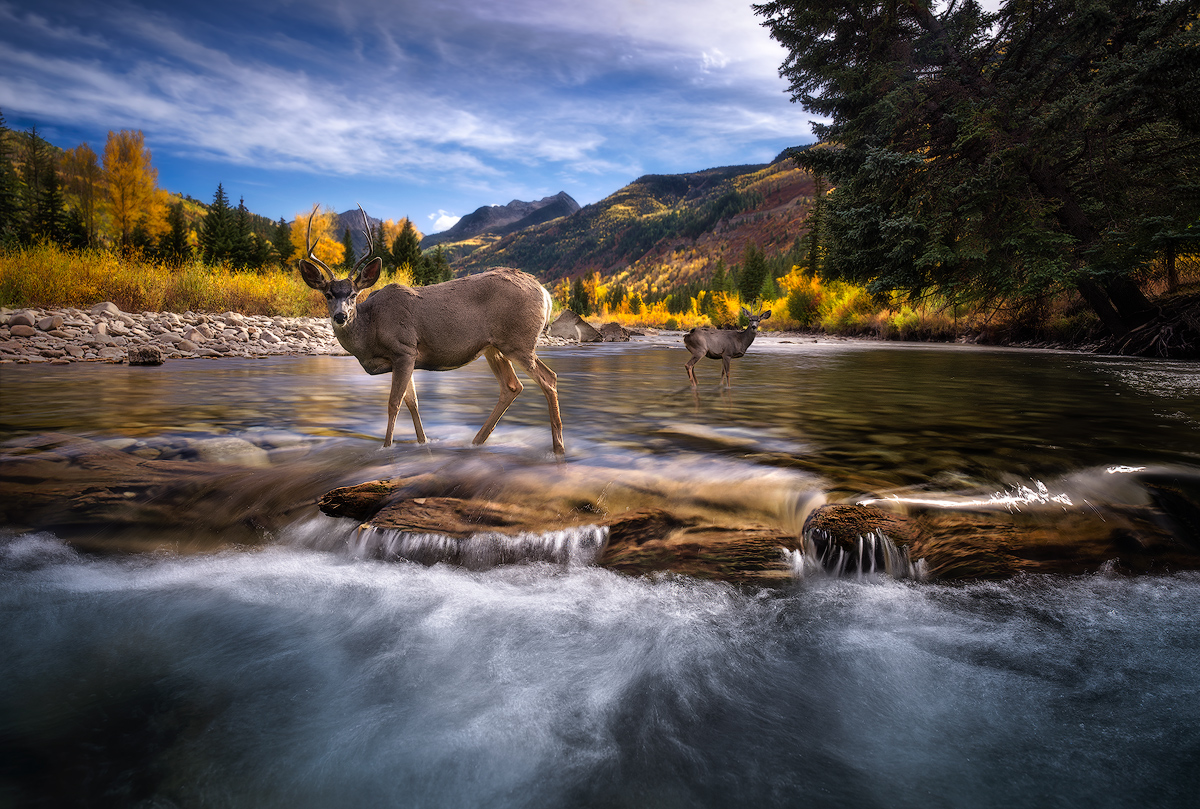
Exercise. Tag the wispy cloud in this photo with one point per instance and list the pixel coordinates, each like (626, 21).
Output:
(452, 92)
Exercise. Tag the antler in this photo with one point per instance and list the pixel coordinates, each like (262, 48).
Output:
(370, 244)
(308, 244)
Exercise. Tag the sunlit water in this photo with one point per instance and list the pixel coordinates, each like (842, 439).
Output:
(302, 673)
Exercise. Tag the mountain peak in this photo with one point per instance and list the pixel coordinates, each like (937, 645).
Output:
(503, 219)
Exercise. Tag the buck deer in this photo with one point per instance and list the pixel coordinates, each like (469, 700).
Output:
(498, 313)
(717, 344)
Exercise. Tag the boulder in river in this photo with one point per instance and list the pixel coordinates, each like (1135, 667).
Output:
(614, 333)
(570, 326)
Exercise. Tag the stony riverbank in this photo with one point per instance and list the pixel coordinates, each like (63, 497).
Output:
(103, 333)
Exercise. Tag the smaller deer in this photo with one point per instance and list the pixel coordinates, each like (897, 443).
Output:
(498, 314)
(718, 344)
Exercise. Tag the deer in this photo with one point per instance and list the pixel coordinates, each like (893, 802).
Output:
(723, 345)
(499, 314)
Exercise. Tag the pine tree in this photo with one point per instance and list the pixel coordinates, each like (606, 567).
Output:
(216, 229)
(283, 242)
(406, 249)
(347, 250)
(719, 282)
(578, 302)
(243, 249)
(9, 185)
(754, 272)
(173, 246)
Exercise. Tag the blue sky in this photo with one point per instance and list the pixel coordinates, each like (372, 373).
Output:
(413, 108)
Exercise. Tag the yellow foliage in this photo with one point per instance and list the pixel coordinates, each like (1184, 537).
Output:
(327, 245)
(132, 195)
(46, 275)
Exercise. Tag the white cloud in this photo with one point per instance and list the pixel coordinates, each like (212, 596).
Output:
(449, 93)
(442, 220)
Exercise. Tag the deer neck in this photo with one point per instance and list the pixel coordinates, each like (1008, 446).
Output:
(351, 335)
(747, 336)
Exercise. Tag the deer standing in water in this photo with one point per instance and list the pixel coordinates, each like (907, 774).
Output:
(440, 327)
(718, 344)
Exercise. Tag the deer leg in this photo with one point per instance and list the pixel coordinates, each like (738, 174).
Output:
(401, 385)
(689, 366)
(725, 371)
(548, 381)
(410, 400)
(510, 386)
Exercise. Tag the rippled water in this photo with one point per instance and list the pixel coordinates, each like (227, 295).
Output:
(296, 673)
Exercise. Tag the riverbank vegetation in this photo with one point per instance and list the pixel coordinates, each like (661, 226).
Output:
(50, 276)
(1007, 157)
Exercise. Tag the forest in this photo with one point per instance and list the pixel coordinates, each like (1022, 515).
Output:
(1030, 175)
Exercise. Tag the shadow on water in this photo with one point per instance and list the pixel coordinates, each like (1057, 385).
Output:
(281, 669)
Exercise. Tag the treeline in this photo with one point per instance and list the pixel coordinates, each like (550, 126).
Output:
(75, 199)
(1007, 157)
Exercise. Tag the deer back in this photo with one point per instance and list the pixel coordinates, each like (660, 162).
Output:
(451, 323)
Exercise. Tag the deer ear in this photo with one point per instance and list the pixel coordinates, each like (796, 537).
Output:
(765, 315)
(312, 275)
(745, 311)
(369, 274)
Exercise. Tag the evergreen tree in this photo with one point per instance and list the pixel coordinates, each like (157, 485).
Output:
(216, 229)
(719, 282)
(578, 302)
(49, 215)
(406, 249)
(347, 249)
(754, 273)
(282, 239)
(173, 246)
(1000, 156)
(243, 249)
(9, 185)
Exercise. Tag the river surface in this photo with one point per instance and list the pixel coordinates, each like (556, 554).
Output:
(296, 672)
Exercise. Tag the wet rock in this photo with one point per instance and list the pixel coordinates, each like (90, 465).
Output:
(614, 333)
(230, 450)
(972, 544)
(570, 326)
(71, 485)
(639, 541)
(145, 355)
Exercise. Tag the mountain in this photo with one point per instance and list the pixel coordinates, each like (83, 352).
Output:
(661, 229)
(352, 219)
(499, 220)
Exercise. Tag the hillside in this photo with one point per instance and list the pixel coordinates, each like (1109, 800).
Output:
(665, 230)
(499, 220)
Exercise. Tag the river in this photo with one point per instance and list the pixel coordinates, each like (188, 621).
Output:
(293, 670)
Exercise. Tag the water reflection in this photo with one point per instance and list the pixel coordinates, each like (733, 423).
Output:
(859, 415)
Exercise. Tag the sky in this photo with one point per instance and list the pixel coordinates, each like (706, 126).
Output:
(421, 108)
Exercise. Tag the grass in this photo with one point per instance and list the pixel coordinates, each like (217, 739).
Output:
(48, 276)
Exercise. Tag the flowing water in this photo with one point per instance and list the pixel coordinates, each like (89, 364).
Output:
(296, 670)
